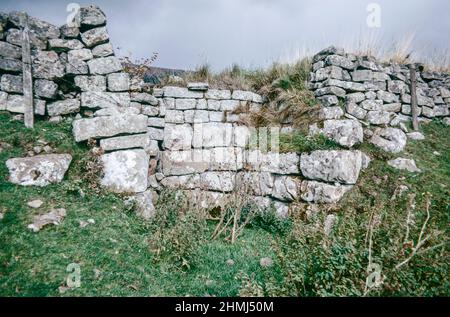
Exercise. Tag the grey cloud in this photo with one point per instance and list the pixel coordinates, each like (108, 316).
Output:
(254, 33)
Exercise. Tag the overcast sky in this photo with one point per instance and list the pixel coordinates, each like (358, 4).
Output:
(254, 33)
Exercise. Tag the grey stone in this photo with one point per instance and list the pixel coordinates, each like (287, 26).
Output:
(347, 85)
(83, 54)
(218, 181)
(378, 117)
(362, 75)
(119, 82)
(354, 110)
(40, 28)
(156, 122)
(143, 203)
(441, 111)
(77, 67)
(40, 170)
(97, 99)
(329, 100)
(339, 61)
(178, 92)
(332, 166)
(372, 105)
(150, 111)
(116, 111)
(144, 98)
(45, 88)
(63, 107)
(246, 96)
(8, 50)
(174, 116)
(3, 100)
(95, 36)
(285, 188)
(198, 86)
(392, 107)
(103, 50)
(212, 134)
(47, 65)
(178, 137)
(387, 97)
(35, 203)
(404, 164)
(125, 171)
(91, 16)
(327, 73)
(156, 134)
(90, 83)
(330, 91)
(322, 193)
(218, 94)
(10, 65)
(397, 87)
(415, 136)
(100, 127)
(327, 113)
(126, 142)
(345, 132)
(175, 163)
(104, 65)
(14, 36)
(69, 31)
(229, 105)
(355, 97)
(62, 45)
(11, 83)
(389, 139)
(273, 162)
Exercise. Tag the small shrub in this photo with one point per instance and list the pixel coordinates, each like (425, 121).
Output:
(269, 221)
(301, 143)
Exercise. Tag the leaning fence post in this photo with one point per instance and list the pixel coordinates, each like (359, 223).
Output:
(27, 77)
(414, 108)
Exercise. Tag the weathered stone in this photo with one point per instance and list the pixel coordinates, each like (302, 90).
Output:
(354, 110)
(120, 82)
(218, 181)
(14, 36)
(355, 97)
(428, 112)
(97, 99)
(218, 94)
(156, 122)
(198, 86)
(347, 85)
(404, 164)
(226, 159)
(332, 166)
(387, 97)
(178, 92)
(45, 88)
(95, 36)
(77, 67)
(116, 111)
(397, 87)
(327, 73)
(196, 116)
(229, 105)
(246, 96)
(103, 50)
(3, 100)
(332, 50)
(63, 107)
(144, 205)
(40, 28)
(441, 111)
(104, 65)
(62, 45)
(339, 61)
(150, 111)
(46, 65)
(8, 50)
(329, 100)
(126, 142)
(90, 83)
(175, 163)
(144, 98)
(330, 91)
(125, 171)
(285, 188)
(10, 65)
(90, 16)
(182, 182)
(362, 75)
(331, 113)
(392, 107)
(37, 203)
(445, 93)
(84, 129)
(156, 134)
(69, 31)
(345, 132)
(372, 105)
(322, 193)
(389, 139)
(418, 136)
(177, 137)
(11, 83)
(212, 134)
(273, 162)
(40, 170)
(83, 54)
(174, 116)
(378, 117)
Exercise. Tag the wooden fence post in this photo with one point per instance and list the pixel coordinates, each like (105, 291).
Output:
(414, 108)
(27, 76)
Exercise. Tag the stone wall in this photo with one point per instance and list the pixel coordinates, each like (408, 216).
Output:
(375, 93)
(198, 139)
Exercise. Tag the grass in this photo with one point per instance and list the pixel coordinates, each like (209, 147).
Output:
(34, 264)
(116, 259)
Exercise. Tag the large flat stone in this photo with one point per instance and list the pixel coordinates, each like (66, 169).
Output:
(108, 126)
(125, 171)
(40, 170)
(322, 193)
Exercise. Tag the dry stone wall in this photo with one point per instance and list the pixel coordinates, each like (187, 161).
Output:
(196, 139)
